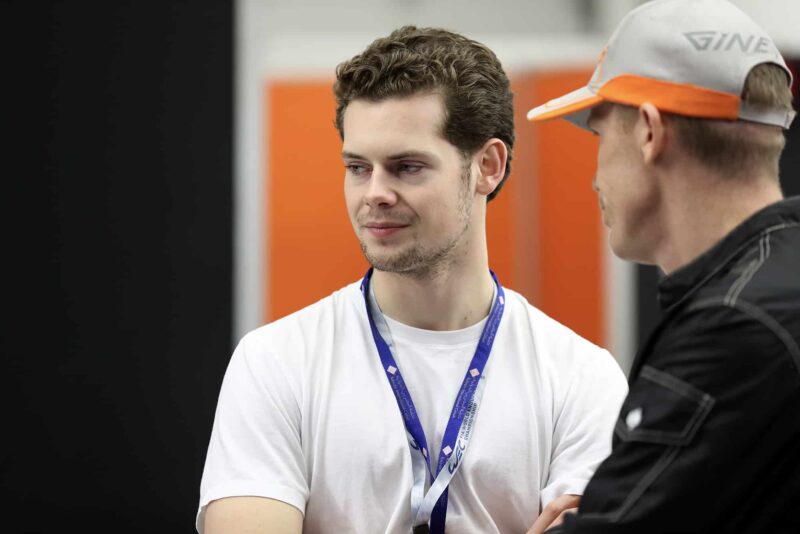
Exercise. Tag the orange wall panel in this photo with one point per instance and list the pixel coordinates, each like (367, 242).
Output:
(312, 248)
(571, 278)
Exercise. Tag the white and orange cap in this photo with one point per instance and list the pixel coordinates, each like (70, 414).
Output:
(687, 57)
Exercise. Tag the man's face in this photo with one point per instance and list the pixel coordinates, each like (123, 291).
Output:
(628, 197)
(408, 190)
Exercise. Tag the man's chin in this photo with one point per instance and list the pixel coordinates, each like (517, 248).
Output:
(619, 246)
(395, 263)
(629, 251)
(389, 266)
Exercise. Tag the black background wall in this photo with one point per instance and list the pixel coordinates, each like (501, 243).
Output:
(118, 176)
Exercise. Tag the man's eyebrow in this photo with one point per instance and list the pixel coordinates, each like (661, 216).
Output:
(394, 157)
(412, 154)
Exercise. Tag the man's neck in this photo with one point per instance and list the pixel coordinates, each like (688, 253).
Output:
(451, 299)
(702, 212)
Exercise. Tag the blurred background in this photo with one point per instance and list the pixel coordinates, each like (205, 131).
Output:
(177, 182)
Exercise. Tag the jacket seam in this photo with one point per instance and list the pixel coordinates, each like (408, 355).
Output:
(670, 382)
(738, 286)
(704, 404)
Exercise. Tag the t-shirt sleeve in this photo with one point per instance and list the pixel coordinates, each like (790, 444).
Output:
(584, 423)
(255, 447)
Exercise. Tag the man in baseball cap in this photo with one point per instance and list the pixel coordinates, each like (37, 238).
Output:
(689, 101)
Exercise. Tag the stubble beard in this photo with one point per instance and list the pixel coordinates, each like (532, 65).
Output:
(421, 262)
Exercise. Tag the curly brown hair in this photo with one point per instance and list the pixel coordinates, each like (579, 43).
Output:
(469, 77)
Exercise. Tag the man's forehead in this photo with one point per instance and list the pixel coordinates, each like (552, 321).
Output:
(413, 111)
(382, 129)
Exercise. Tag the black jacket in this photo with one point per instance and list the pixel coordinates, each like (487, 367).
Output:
(708, 439)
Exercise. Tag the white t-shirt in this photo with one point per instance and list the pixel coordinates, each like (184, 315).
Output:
(306, 416)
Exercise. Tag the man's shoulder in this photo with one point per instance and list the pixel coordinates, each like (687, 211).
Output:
(764, 264)
(770, 277)
(551, 338)
(761, 284)
(581, 374)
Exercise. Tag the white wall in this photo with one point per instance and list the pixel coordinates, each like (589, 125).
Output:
(251, 47)
(779, 18)
(377, 17)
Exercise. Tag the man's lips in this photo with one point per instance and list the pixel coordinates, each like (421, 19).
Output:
(384, 229)
(602, 206)
(604, 214)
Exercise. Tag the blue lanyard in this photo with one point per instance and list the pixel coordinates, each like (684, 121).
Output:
(433, 505)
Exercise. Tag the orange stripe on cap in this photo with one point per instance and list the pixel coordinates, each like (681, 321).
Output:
(580, 105)
(678, 98)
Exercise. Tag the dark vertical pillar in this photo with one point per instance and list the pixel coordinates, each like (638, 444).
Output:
(121, 250)
(790, 159)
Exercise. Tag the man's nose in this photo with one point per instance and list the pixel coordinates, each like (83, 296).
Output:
(594, 184)
(380, 190)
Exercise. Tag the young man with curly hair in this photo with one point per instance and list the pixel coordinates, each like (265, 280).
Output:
(426, 396)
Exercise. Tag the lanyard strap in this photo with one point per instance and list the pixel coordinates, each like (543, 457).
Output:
(432, 506)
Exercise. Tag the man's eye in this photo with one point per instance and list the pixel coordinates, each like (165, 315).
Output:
(355, 169)
(409, 168)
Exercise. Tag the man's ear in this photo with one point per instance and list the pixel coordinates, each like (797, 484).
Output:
(491, 159)
(650, 133)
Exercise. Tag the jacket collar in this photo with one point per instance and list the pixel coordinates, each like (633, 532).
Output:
(686, 280)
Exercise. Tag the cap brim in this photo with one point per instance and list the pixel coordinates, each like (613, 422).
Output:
(573, 106)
